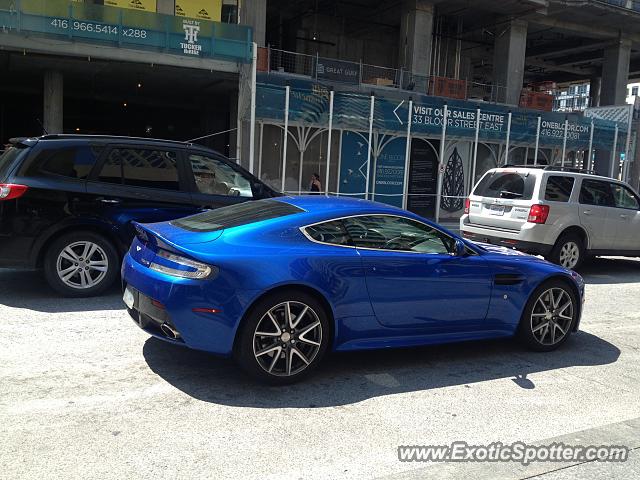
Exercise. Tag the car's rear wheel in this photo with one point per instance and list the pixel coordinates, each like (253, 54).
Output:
(283, 338)
(81, 264)
(568, 251)
(549, 316)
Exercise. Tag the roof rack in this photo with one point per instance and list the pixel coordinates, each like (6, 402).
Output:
(62, 136)
(569, 169)
(555, 168)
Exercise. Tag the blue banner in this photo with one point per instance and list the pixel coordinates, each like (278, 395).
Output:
(389, 172)
(309, 105)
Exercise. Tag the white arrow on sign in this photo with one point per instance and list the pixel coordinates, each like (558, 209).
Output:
(395, 112)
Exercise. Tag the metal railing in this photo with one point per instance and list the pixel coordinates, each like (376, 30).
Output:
(278, 61)
(127, 28)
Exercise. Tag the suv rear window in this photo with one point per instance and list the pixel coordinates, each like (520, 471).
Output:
(6, 160)
(502, 184)
(236, 215)
(559, 189)
(71, 162)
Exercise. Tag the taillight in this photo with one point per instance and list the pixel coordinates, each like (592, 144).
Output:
(10, 191)
(467, 204)
(177, 266)
(538, 214)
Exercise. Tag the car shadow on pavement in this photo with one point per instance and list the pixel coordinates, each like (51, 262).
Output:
(346, 378)
(29, 289)
(611, 270)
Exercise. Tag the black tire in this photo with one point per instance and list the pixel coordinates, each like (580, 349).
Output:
(530, 330)
(103, 279)
(563, 251)
(248, 345)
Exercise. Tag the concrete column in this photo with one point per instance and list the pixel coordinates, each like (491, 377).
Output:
(615, 73)
(254, 14)
(416, 36)
(53, 101)
(594, 91)
(168, 7)
(508, 64)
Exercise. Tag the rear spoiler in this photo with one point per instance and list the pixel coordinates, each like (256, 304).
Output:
(22, 142)
(153, 239)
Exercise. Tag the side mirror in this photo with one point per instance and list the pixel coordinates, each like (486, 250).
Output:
(460, 249)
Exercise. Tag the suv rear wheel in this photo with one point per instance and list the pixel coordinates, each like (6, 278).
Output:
(568, 251)
(81, 264)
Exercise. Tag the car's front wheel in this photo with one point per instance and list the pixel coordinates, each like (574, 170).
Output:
(81, 264)
(549, 316)
(283, 338)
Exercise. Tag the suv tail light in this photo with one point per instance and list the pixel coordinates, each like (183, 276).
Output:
(10, 191)
(538, 214)
(467, 204)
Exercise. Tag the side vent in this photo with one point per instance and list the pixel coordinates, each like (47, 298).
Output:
(509, 278)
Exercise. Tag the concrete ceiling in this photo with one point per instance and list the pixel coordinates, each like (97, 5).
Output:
(566, 38)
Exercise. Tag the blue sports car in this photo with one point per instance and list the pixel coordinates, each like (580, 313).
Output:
(277, 283)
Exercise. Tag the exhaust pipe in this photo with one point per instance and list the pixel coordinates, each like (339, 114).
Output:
(169, 331)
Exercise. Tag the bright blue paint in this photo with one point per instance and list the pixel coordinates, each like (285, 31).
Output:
(410, 299)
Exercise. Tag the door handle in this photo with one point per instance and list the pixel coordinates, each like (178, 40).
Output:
(110, 201)
(622, 215)
(587, 212)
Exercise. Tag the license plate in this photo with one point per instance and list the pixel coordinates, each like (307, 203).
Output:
(496, 209)
(128, 298)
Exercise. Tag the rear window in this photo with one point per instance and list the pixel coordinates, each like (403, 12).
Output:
(236, 215)
(501, 184)
(71, 162)
(6, 160)
(559, 189)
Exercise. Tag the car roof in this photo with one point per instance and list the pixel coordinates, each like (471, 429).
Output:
(555, 171)
(336, 206)
(79, 138)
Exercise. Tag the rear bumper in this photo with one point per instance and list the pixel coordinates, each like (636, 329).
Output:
(211, 332)
(533, 248)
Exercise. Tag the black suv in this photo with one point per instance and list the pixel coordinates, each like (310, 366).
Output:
(67, 201)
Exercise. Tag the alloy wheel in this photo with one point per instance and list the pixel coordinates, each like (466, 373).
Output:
(82, 265)
(552, 316)
(287, 339)
(569, 255)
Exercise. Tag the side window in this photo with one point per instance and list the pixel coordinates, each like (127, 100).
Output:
(559, 189)
(596, 192)
(396, 233)
(333, 233)
(111, 171)
(215, 177)
(141, 168)
(624, 197)
(73, 162)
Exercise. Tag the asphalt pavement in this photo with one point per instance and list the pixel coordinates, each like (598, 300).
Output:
(85, 394)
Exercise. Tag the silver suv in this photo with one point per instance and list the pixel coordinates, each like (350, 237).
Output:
(560, 214)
